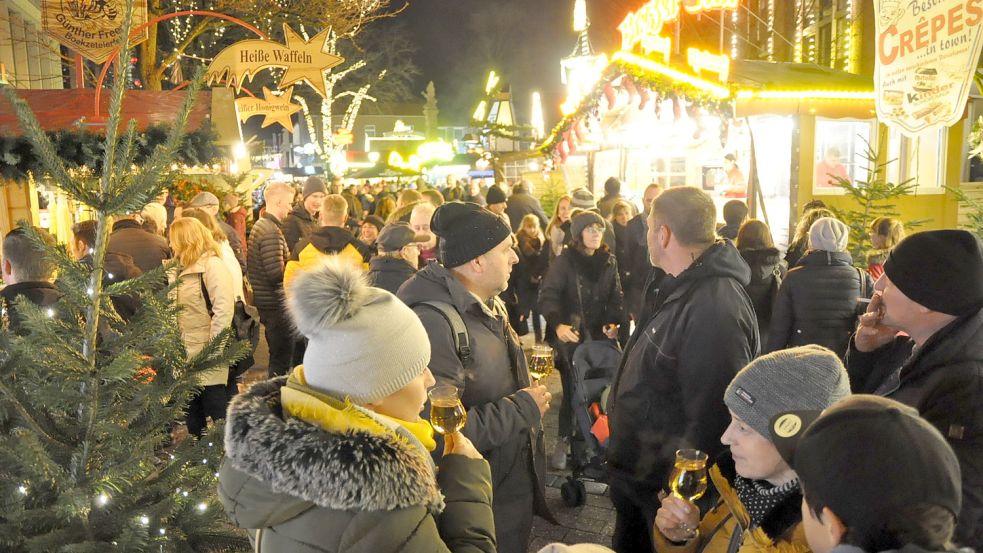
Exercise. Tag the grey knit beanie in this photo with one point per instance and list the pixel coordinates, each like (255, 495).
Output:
(794, 379)
(829, 235)
(364, 343)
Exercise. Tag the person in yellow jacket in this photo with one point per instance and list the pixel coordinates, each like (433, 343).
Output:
(759, 509)
(331, 239)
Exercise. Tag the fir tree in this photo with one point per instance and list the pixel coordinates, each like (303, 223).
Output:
(874, 198)
(86, 400)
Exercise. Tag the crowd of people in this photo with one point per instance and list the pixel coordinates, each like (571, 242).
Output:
(370, 296)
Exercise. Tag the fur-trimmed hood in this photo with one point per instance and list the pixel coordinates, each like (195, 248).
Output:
(293, 466)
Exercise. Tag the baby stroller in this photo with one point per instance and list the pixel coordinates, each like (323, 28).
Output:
(594, 366)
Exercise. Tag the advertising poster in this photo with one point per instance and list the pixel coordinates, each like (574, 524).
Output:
(91, 27)
(927, 52)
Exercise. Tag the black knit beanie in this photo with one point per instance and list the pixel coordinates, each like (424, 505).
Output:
(939, 269)
(466, 230)
(495, 195)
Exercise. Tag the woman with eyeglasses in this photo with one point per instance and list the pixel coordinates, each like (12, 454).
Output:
(582, 300)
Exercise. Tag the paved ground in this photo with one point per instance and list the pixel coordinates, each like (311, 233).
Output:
(592, 522)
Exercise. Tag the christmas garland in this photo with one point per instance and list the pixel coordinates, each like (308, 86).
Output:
(639, 79)
(521, 133)
(79, 149)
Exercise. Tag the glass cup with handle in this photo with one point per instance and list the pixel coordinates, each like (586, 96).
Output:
(689, 478)
(447, 414)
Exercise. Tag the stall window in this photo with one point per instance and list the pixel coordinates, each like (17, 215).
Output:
(920, 160)
(669, 171)
(840, 148)
(972, 169)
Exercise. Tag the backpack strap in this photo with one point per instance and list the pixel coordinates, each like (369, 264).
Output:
(459, 332)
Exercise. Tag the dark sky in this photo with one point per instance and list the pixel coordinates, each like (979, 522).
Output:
(459, 41)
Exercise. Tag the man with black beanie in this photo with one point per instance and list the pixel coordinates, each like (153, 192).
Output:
(932, 291)
(505, 409)
(302, 221)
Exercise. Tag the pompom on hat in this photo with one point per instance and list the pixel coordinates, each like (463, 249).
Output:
(363, 342)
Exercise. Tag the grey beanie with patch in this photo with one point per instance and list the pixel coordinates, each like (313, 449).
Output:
(795, 379)
(363, 342)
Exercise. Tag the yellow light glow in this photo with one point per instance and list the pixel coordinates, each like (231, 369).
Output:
(479, 113)
(538, 121)
(239, 151)
(700, 60)
(492, 82)
(580, 16)
(647, 21)
(374, 157)
(435, 151)
(649, 65)
(806, 94)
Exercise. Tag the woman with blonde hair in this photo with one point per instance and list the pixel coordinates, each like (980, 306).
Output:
(559, 228)
(885, 233)
(228, 256)
(800, 242)
(202, 288)
(385, 207)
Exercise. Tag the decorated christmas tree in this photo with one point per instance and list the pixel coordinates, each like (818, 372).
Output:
(87, 401)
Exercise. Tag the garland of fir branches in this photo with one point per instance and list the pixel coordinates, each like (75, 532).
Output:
(77, 148)
(655, 82)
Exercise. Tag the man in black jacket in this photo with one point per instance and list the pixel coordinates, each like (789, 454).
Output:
(209, 203)
(399, 256)
(522, 203)
(932, 290)
(640, 266)
(268, 255)
(303, 220)
(149, 251)
(26, 272)
(504, 408)
(679, 361)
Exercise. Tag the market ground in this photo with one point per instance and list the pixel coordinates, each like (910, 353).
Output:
(592, 522)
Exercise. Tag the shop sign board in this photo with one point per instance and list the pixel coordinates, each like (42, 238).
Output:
(92, 27)
(274, 108)
(642, 26)
(927, 54)
(303, 61)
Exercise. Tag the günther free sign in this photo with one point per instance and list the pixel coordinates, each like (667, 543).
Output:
(927, 53)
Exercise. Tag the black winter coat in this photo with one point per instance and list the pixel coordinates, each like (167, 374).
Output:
(503, 421)
(668, 392)
(817, 303)
(639, 267)
(268, 255)
(300, 224)
(389, 273)
(148, 250)
(521, 204)
(599, 286)
(527, 274)
(41, 294)
(234, 242)
(767, 273)
(943, 380)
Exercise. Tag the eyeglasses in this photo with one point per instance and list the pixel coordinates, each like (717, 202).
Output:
(595, 228)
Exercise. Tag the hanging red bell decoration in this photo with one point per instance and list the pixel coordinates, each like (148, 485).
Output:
(610, 95)
(645, 97)
(580, 131)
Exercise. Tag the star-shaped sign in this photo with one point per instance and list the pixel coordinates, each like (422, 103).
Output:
(312, 60)
(274, 108)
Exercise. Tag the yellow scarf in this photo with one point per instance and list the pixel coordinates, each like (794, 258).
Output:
(333, 415)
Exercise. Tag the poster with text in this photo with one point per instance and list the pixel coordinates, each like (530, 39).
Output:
(927, 52)
(92, 28)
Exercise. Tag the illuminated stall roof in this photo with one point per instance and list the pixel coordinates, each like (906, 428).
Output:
(748, 87)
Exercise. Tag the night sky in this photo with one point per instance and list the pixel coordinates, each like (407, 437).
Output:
(459, 41)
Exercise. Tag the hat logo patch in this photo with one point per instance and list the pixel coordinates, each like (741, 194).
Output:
(787, 425)
(745, 395)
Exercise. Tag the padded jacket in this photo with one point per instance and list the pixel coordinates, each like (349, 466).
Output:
(574, 278)
(817, 303)
(299, 225)
(301, 489)
(268, 255)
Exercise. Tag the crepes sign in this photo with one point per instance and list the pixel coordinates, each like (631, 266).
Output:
(927, 53)
(91, 27)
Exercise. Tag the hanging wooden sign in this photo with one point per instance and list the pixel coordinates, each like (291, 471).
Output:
(274, 108)
(304, 60)
(92, 27)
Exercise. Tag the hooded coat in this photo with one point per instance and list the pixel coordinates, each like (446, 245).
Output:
(503, 421)
(675, 369)
(298, 225)
(767, 273)
(323, 242)
(303, 489)
(943, 380)
(817, 303)
(781, 530)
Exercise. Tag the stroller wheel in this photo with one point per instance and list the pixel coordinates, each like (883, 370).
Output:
(573, 492)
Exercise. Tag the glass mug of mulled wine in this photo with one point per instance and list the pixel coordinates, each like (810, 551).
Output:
(447, 414)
